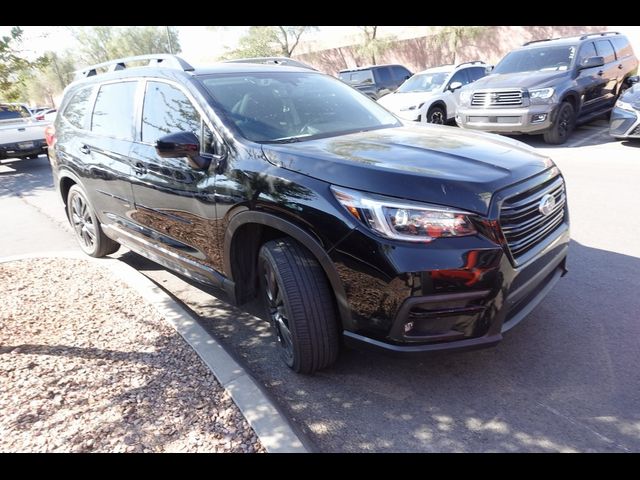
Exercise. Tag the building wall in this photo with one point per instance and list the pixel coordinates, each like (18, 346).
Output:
(426, 51)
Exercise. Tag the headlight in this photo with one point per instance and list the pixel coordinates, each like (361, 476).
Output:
(465, 96)
(541, 94)
(403, 219)
(624, 105)
(413, 107)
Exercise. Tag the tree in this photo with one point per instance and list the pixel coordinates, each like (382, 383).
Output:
(43, 86)
(373, 45)
(14, 68)
(268, 42)
(455, 36)
(102, 43)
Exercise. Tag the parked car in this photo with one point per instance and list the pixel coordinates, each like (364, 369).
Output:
(20, 135)
(48, 115)
(549, 86)
(377, 80)
(432, 95)
(287, 184)
(625, 118)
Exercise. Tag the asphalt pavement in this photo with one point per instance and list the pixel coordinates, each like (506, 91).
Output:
(565, 379)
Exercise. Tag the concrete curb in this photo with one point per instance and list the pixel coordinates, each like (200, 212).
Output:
(271, 427)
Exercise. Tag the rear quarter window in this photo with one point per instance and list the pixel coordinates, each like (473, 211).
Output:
(78, 109)
(622, 46)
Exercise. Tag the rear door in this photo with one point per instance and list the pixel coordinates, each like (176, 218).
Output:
(104, 151)
(610, 72)
(627, 63)
(174, 202)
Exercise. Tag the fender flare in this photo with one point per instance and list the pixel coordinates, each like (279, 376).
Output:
(304, 238)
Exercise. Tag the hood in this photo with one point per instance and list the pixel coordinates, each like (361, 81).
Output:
(429, 163)
(632, 96)
(520, 80)
(398, 100)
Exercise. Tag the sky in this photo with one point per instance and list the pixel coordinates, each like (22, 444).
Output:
(199, 43)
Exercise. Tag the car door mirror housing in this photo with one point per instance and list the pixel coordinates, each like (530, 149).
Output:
(182, 144)
(454, 86)
(592, 62)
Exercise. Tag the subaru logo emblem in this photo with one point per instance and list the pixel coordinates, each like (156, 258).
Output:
(547, 204)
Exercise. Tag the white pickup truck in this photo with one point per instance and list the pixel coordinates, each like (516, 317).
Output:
(21, 136)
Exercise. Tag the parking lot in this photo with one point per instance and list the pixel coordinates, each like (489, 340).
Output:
(566, 379)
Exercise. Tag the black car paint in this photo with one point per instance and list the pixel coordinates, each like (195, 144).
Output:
(208, 224)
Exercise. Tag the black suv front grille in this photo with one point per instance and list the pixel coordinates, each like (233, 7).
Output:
(523, 224)
(506, 98)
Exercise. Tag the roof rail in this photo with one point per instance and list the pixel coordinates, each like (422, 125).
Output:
(599, 34)
(537, 41)
(472, 62)
(160, 59)
(287, 62)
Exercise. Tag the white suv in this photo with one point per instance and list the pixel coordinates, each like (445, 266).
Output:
(432, 95)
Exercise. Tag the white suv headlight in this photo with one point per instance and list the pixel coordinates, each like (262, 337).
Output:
(465, 96)
(412, 107)
(404, 219)
(624, 106)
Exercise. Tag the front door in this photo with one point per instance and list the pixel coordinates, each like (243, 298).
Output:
(174, 202)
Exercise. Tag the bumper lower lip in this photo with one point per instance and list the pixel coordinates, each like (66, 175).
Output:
(624, 123)
(505, 120)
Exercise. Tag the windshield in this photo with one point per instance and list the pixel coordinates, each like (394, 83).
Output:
(424, 82)
(292, 106)
(11, 112)
(359, 77)
(537, 59)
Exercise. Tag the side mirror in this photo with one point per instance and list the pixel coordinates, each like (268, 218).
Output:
(182, 144)
(634, 79)
(592, 62)
(454, 86)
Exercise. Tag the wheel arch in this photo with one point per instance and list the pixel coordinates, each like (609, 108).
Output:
(261, 227)
(574, 99)
(66, 179)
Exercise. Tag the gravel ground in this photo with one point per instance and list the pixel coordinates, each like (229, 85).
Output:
(87, 366)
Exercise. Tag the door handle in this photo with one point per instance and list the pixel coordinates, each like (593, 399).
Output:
(84, 149)
(139, 168)
(601, 72)
(620, 66)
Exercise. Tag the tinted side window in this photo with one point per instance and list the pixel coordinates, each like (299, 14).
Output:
(167, 110)
(113, 112)
(384, 76)
(605, 50)
(476, 73)
(623, 47)
(586, 51)
(460, 76)
(400, 73)
(78, 109)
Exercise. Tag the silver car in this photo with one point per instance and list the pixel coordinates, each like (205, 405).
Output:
(625, 118)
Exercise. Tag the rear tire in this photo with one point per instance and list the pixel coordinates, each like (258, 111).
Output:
(563, 125)
(299, 304)
(86, 225)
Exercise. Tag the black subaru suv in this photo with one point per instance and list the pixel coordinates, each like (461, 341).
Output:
(549, 86)
(288, 184)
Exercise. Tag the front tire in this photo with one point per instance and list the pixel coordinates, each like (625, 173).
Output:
(299, 304)
(436, 115)
(563, 125)
(86, 226)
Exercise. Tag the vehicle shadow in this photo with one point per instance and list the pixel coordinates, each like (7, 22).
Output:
(25, 176)
(563, 380)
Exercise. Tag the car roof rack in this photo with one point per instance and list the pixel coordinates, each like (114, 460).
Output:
(472, 62)
(285, 61)
(160, 59)
(582, 37)
(600, 34)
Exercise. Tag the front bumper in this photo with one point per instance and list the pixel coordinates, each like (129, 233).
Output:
(507, 120)
(624, 123)
(23, 149)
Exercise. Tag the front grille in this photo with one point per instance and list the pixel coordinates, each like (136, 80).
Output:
(636, 131)
(523, 224)
(507, 98)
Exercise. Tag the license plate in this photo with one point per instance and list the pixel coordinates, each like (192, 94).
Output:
(25, 145)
